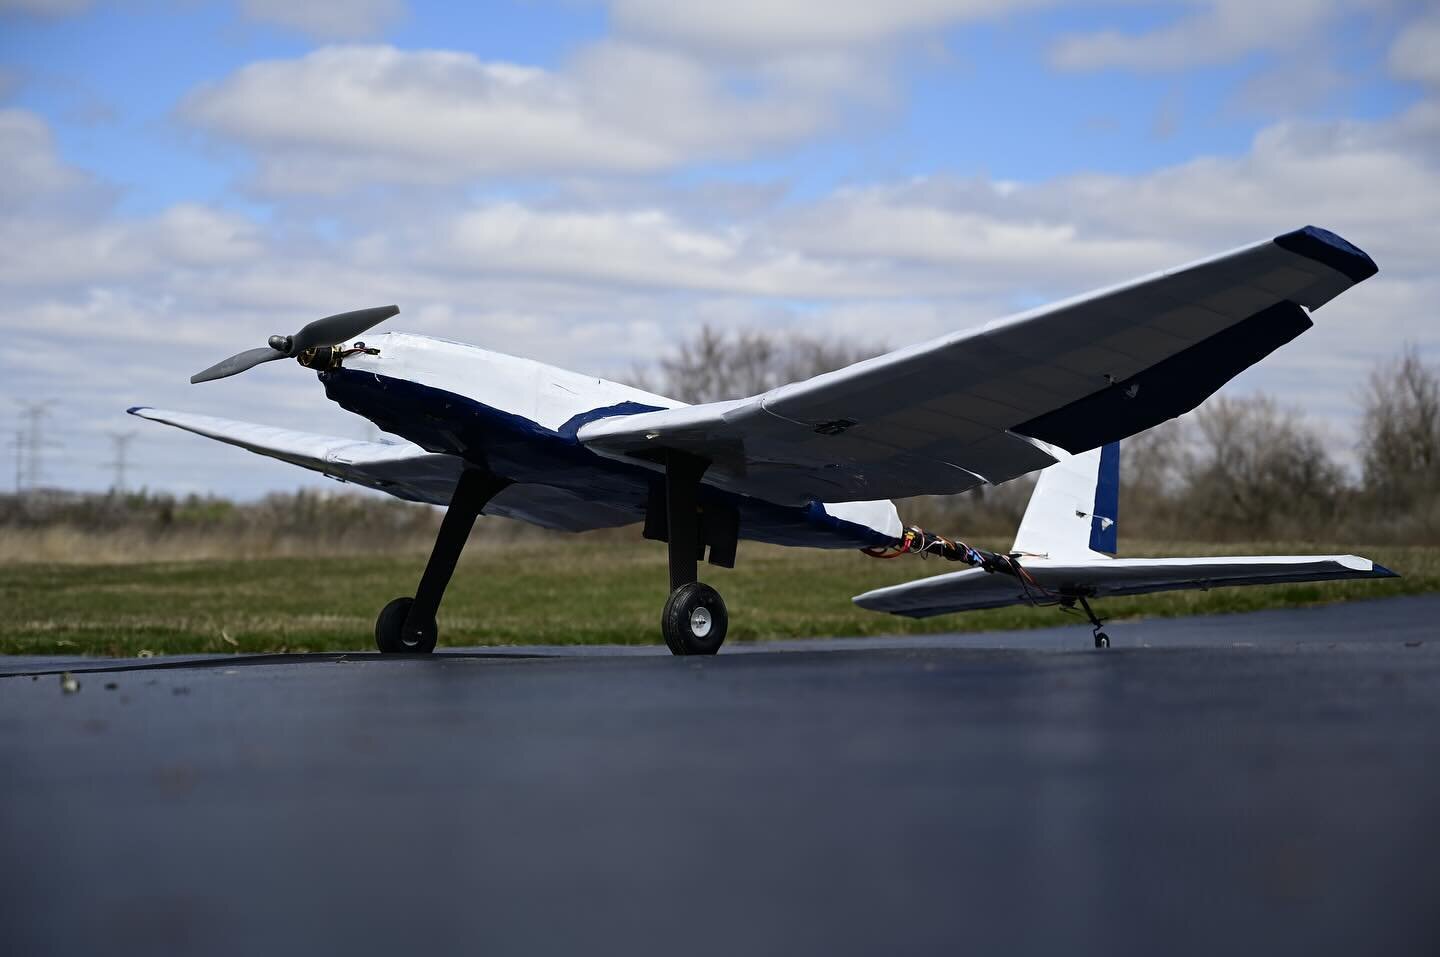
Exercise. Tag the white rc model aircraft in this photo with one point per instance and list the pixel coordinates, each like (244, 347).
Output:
(815, 463)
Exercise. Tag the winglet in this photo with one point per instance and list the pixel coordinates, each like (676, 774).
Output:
(1331, 250)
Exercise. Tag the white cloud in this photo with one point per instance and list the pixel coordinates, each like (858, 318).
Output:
(1220, 31)
(1416, 53)
(330, 19)
(769, 28)
(1375, 181)
(1295, 86)
(33, 169)
(598, 278)
(193, 235)
(645, 248)
(346, 115)
(64, 250)
(970, 232)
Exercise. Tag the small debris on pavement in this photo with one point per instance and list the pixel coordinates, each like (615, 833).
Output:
(68, 684)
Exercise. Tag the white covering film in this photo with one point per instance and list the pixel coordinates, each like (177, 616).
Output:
(1059, 517)
(936, 418)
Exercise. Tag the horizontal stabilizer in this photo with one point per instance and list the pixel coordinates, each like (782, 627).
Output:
(975, 588)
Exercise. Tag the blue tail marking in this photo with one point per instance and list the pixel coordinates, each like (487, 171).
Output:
(1105, 516)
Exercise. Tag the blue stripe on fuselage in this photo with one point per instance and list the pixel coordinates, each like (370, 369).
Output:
(526, 451)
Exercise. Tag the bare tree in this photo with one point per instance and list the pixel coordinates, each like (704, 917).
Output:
(1254, 469)
(1152, 463)
(1152, 469)
(712, 366)
(1400, 442)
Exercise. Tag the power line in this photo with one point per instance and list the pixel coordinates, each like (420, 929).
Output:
(121, 441)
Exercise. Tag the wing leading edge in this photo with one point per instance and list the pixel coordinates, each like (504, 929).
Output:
(995, 402)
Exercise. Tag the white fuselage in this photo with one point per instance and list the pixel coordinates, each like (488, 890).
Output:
(550, 397)
(546, 395)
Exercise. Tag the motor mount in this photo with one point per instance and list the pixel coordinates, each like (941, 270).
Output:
(324, 358)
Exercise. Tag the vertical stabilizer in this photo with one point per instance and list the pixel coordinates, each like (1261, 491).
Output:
(1075, 507)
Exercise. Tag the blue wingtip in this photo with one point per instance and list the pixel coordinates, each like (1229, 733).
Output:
(137, 409)
(1330, 249)
(1382, 572)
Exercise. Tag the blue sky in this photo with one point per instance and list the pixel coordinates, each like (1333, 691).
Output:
(587, 182)
(977, 98)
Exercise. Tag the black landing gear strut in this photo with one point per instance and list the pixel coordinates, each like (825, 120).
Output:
(407, 625)
(694, 620)
(1102, 640)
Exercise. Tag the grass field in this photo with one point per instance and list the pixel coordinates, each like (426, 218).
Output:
(583, 591)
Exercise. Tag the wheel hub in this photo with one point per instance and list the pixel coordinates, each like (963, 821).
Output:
(700, 622)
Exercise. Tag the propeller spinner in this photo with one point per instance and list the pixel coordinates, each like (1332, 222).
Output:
(330, 331)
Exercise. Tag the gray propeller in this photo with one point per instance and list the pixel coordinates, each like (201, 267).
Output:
(330, 331)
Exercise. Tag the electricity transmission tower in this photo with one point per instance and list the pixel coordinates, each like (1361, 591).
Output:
(121, 462)
(19, 447)
(32, 441)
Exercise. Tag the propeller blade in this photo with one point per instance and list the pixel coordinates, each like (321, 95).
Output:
(248, 359)
(333, 330)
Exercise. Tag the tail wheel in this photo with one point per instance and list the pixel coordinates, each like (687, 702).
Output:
(695, 620)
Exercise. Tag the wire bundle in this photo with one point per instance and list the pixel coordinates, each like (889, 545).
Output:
(917, 541)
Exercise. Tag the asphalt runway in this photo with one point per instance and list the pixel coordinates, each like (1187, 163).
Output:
(1265, 783)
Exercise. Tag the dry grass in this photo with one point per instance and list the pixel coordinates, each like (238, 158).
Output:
(72, 545)
(560, 590)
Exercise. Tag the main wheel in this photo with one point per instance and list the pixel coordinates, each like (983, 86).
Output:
(694, 620)
(1102, 640)
(390, 634)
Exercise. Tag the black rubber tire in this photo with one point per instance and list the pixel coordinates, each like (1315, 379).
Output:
(1102, 640)
(390, 635)
(678, 620)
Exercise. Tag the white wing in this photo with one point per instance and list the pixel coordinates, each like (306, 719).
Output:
(975, 588)
(989, 404)
(404, 470)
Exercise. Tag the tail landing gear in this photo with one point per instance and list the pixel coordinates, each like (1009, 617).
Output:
(1102, 640)
(407, 625)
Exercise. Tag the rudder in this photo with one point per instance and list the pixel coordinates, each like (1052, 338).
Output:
(1075, 509)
